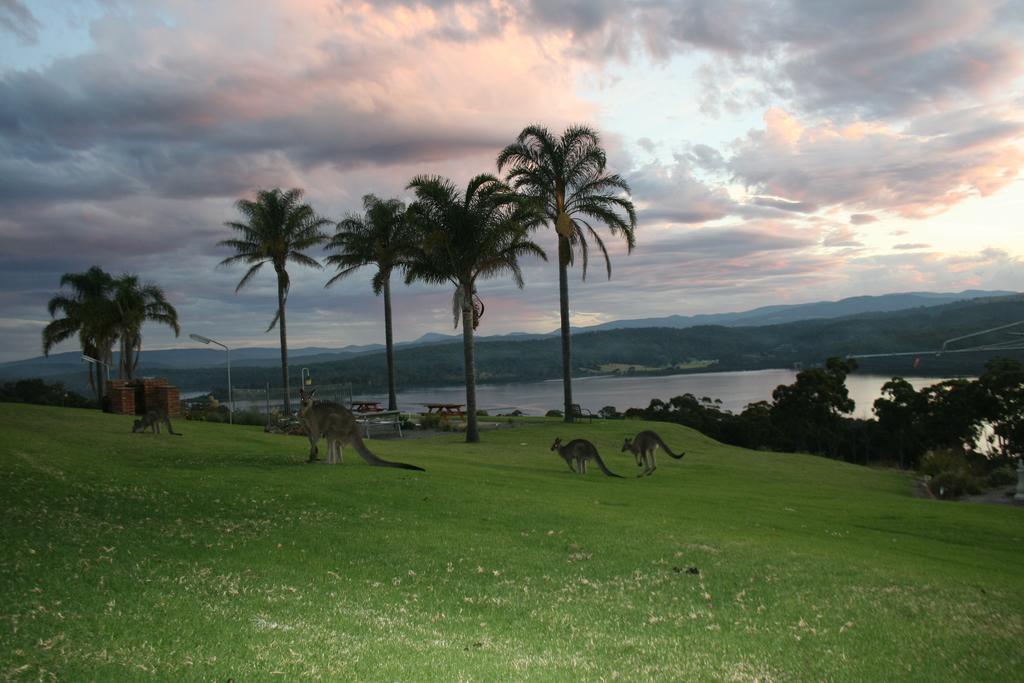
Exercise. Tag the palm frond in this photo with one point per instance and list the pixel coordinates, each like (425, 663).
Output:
(248, 276)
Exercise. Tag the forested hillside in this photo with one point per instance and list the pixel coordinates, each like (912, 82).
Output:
(664, 351)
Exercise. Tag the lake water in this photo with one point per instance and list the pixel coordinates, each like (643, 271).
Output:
(735, 389)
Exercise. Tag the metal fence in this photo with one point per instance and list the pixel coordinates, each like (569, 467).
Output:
(270, 400)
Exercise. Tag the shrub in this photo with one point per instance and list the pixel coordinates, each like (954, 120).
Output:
(554, 413)
(1004, 475)
(943, 460)
(430, 421)
(954, 484)
(249, 417)
(40, 393)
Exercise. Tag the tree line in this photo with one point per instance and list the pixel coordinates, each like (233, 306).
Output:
(450, 236)
(812, 416)
(447, 236)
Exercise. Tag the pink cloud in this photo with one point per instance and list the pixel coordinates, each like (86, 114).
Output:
(908, 173)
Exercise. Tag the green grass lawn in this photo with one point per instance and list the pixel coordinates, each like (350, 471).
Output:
(222, 555)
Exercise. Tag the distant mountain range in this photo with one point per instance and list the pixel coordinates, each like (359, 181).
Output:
(62, 365)
(776, 315)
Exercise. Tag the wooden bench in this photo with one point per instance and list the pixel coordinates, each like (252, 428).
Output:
(378, 421)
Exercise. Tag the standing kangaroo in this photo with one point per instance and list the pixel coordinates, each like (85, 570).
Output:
(643, 446)
(152, 420)
(338, 425)
(577, 452)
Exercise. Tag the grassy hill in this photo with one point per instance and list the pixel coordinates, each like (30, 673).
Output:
(221, 555)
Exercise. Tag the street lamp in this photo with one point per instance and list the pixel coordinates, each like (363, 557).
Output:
(206, 340)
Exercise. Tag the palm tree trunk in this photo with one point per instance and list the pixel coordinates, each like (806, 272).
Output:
(107, 356)
(123, 362)
(135, 359)
(389, 346)
(284, 346)
(92, 382)
(472, 436)
(563, 304)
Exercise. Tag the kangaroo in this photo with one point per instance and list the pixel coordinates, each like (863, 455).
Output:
(643, 446)
(338, 426)
(152, 420)
(576, 454)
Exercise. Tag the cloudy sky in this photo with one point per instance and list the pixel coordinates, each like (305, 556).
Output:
(779, 151)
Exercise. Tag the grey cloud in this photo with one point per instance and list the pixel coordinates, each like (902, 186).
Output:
(845, 58)
(842, 236)
(673, 194)
(726, 243)
(913, 175)
(582, 17)
(707, 158)
(862, 218)
(17, 19)
(647, 145)
(909, 246)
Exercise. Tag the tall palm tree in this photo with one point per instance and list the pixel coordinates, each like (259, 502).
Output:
(277, 228)
(566, 176)
(133, 305)
(464, 237)
(381, 237)
(85, 312)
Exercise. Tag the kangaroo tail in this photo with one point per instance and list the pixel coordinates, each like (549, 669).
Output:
(669, 450)
(600, 463)
(170, 430)
(372, 459)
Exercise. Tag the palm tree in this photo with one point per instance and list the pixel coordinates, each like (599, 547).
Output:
(567, 178)
(134, 304)
(277, 228)
(85, 310)
(381, 238)
(465, 237)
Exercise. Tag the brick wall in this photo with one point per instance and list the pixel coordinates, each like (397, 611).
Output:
(122, 397)
(141, 395)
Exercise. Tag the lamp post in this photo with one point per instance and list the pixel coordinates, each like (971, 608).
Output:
(206, 340)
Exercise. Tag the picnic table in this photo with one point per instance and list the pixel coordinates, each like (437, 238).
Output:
(445, 409)
(367, 407)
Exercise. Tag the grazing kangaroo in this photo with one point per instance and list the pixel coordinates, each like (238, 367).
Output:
(338, 425)
(152, 420)
(643, 446)
(576, 454)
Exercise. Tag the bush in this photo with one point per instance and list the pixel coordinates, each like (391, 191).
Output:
(954, 484)
(40, 393)
(554, 413)
(942, 461)
(1004, 475)
(249, 417)
(430, 421)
